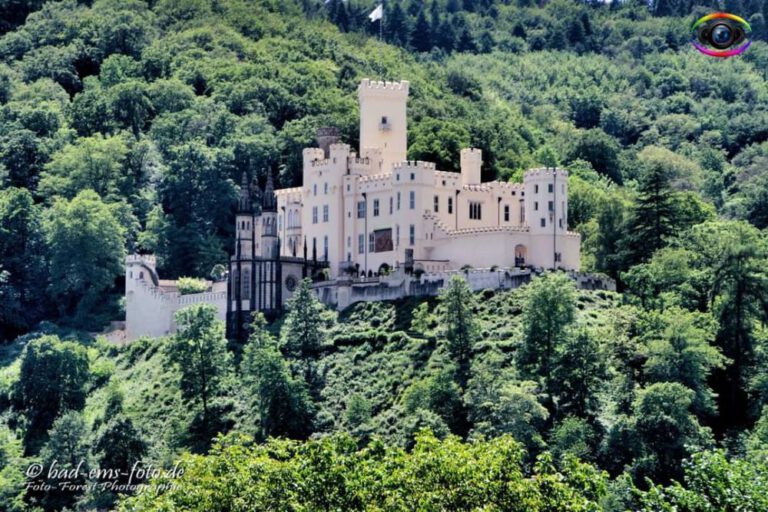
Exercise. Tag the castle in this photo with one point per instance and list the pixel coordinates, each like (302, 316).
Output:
(369, 215)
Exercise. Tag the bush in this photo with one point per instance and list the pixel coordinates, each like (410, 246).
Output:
(189, 285)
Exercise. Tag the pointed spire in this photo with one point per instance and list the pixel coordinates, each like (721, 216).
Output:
(269, 202)
(256, 194)
(244, 205)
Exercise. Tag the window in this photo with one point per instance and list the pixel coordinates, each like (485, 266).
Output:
(550, 188)
(412, 235)
(279, 222)
(535, 189)
(561, 223)
(558, 257)
(450, 205)
(536, 206)
(383, 119)
(371, 243)
(325, 248)
(398, 176)
(412, 199)
(397, 235)
(543, 222)
(314, 189)
(437, 204)
(361, 209)
(398, 200)
(348, 187)
(349, 242)
(551, 206)
(375, 207)
(325, 213)
(360, 244)
(475, 210)
(349, 256)
(391, 204)
(314, 215)
(246, 283)
(506, 213)
(413, 176)
(325, 188)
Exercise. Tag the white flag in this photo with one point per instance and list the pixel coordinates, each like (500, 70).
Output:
(377, 13)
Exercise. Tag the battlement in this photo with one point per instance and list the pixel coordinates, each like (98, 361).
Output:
(545, 172)
(340, 147)
(376, 87)
(146, 259)
(415, 164)
(313, 154)
(321, 163)
(472, 152)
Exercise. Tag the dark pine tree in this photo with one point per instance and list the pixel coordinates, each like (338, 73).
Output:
(653, 218)
(421, 38)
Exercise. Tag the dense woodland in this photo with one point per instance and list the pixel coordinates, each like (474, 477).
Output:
(125, 126)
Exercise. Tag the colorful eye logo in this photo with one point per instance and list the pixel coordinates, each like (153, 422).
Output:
(721, 35)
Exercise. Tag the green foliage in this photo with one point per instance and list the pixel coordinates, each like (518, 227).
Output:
(67, 449)
(86, 243)
(199, 351)
(189, 285)
(459, 325)
(303, 334)
(52, 380)
(333, 474)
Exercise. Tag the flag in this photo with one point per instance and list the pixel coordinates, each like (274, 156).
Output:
(377, 13)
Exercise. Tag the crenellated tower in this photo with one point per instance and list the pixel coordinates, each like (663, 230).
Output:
(383, 120)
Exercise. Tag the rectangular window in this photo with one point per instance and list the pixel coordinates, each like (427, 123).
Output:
(314, 215)
(543, 222)
(349, 242)
(246, 283)
(558, 257)
(371, 243)
(325, 188)
(561, 223)
(397, 235)
(391, 205)
(535, 189)
(450, 205)
(325, 213)
(314, 189)
(325, 248)
(412, 200)
(361, 209)
(382, 240)
(475, 210)
(279, 222)
(437, 204)
(413, 176)
(398, 200)
(535, 206)
(506, 213)
(375, 207)
(550, 188)
(360, 244)
(412, 235)
(551, 206)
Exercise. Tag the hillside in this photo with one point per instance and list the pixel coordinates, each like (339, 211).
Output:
(125, 127)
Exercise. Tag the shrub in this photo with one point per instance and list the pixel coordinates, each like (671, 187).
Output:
(189, 285)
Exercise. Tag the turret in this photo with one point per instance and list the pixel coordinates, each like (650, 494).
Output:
(383, 120)
(471, 165)
(244, 224)
(546, 200)
(270, 244)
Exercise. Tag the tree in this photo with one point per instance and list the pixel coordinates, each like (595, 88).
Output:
(599, 149)
(667, 431)
(653, 219)
(86, 243)
(578, 372)
(92, 163)
(199, 351)
(441, 395)
(283, 404)
(459, 325)
(548, 313)
(303, 333)
(420, 37)
(118, 445)
(52, 379)
(22, 252)
(67, 450)
(679, 349)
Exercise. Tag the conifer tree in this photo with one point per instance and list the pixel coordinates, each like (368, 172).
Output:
(303, 332)
(460, 326)
(421, 39)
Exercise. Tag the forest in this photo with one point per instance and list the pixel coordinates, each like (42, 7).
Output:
(125, 126)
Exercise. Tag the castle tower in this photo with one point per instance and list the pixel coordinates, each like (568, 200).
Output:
(471, 165)
(244, 220)
(269, 240)
(546, 213)
(383, 121)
